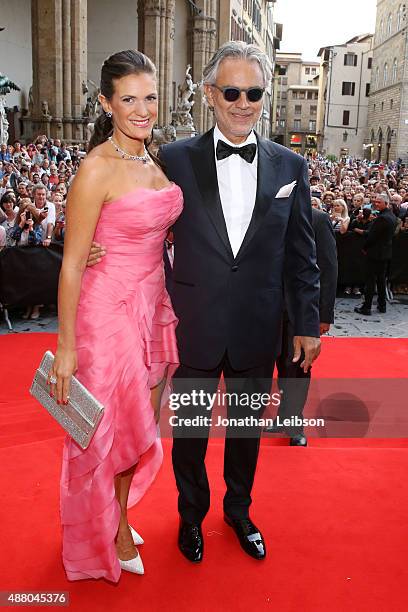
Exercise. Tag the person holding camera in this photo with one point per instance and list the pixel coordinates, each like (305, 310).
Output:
(39, 155)
(339, 216)
(44, 212)
(26, 230)
(59, 203)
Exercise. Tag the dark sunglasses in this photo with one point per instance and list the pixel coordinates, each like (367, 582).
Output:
(231, 94)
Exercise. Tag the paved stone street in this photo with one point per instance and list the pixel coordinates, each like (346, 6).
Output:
(393, 324)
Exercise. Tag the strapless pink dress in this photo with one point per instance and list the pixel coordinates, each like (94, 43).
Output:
(125, 339)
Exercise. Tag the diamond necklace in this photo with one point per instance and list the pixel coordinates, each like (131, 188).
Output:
(143, 158)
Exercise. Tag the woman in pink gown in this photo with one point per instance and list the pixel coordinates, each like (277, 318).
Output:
(117, 325)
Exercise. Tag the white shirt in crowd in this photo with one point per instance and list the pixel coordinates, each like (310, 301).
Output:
(237, 182)
(50, 218)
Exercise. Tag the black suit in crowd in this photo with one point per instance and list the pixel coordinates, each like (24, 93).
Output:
(292, 380)
(230, 308)
(378, 246)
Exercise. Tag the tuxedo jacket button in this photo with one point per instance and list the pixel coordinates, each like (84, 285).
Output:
(234, 268)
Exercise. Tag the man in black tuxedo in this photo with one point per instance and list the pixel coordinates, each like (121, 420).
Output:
(293, 381)
(245, 227)
(378, 251)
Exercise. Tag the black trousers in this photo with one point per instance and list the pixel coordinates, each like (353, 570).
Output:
(376, 275)
(292, 381)
(241, 446)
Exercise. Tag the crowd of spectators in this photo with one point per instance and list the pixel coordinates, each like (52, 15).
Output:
(347, 190)
(35, 179)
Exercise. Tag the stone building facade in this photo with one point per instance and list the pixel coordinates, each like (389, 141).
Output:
(71, 38)
(296, 100)
(344, 89)
(388, 104)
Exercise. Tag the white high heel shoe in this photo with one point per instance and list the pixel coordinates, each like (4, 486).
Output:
(135, 565)
(137, 538)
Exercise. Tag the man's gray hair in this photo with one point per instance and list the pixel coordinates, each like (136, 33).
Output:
(384, 196)
(39, 186)
(237, 49)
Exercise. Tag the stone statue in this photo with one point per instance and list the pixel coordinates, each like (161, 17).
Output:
(30, 102)
(5, 87)
(185, 91)
(3, 121)
(45, 111)
(182, 116)
(164, 135)
(92, 103)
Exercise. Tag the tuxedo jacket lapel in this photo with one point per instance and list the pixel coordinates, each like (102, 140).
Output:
(203, 162)
(267, 187)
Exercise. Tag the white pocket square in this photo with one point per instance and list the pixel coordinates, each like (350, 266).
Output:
(286, 190)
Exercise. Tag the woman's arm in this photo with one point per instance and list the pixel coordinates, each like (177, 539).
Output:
(85, 200)
(344, 223)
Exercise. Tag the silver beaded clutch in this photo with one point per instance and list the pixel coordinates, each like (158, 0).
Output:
(80, 417)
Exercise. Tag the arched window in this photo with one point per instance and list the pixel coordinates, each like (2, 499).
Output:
(381, 30)
(385, 78)
(377, 78)
(399, 17)
(389, 25)
(395, 70)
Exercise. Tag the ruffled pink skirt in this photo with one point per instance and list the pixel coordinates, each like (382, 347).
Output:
(125, 346)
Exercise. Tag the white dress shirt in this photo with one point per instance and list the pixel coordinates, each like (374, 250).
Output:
(50, 218)
(237, 182)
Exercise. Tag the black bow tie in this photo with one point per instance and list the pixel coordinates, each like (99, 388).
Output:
(247, 152)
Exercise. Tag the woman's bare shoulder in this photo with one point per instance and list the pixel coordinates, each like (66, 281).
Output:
(98, 159)
(97, 165)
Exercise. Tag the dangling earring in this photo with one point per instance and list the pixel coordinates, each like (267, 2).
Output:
(108, 114)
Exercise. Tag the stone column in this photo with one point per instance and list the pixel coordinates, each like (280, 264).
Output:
(167, 68)
(79, 73)
(203, 39)
(46, 20)
(59, 67)
(157, 42)
(66, 65)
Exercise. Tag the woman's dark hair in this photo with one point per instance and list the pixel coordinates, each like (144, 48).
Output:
(115, 67)
(7, 198)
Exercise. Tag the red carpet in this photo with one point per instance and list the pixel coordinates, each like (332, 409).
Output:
(334, 515)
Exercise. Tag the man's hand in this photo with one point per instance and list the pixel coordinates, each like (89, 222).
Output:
(324, 328)
(46, 242)
(311, 348)
(95, 254)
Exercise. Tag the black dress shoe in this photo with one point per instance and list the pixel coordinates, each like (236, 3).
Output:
(249, 536)
(298, 440)
(191, 541)
(382, 309)
(362, 310)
